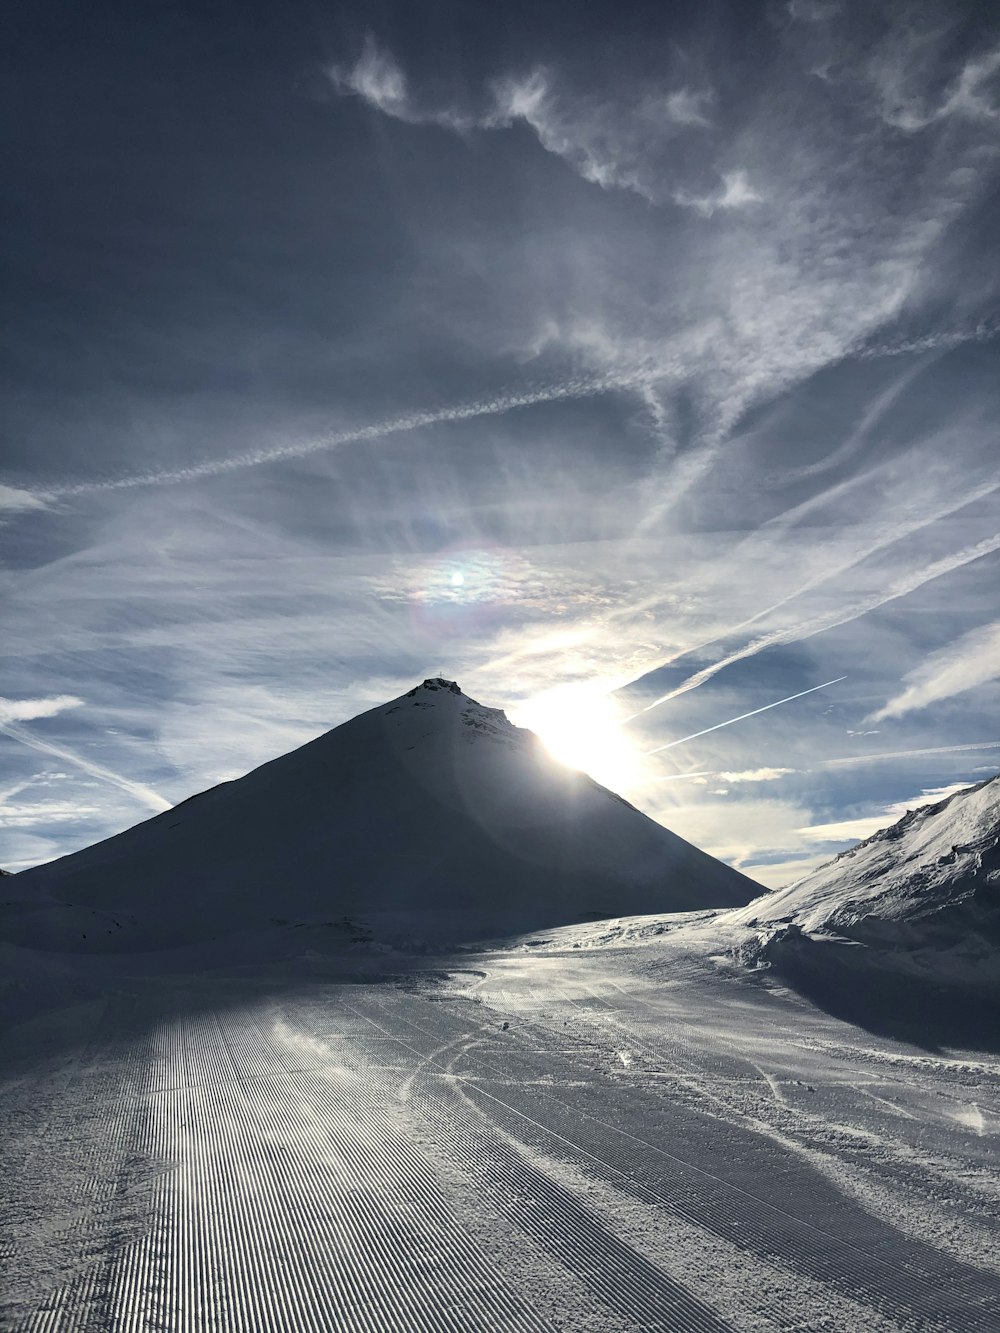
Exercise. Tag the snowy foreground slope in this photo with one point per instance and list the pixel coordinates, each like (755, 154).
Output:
(431, 804)
(556, 1135)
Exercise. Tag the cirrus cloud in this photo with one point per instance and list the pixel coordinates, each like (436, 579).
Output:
(970, 661)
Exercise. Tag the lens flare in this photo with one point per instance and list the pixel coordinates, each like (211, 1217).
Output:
(581, 727)
(459, 593)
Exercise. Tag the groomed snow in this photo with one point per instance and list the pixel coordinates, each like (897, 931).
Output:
(564, 1133)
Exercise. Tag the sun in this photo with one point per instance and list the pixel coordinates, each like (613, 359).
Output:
(581, 727)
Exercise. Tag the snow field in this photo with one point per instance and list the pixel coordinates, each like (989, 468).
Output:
(617, 1134)
(471, 1150)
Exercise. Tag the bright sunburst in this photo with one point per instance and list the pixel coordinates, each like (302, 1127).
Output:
(581, 727)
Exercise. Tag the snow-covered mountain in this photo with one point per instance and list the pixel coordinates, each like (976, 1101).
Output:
(431, 811)
(917, 902)
(934, 875)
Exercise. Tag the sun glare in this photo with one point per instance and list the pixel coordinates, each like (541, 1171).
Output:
(581, 727)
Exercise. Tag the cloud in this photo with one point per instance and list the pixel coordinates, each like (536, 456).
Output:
(944, 340)
(903, 74)
(778, 874)
(742, 716)
(735, 192)
(378, 80)
(813, 11)
(376, 77)
(755, 775)
(830, 259)
(847, 610)
(13, 498)
(25, 710)
(139, 791)
(963, 665)
(15, 814)
(748, 830)
(849, 761)
(589, 135)
(970, 95)
(604, 142)
(498, 404)
(688, 106)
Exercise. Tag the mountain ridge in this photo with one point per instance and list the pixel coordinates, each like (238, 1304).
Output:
(900, 933)
(937, 861)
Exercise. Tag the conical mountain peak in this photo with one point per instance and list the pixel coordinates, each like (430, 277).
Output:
(431, 807)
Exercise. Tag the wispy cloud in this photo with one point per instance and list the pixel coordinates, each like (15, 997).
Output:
(735, 192)
(889, 756)
(139, 791)
(603, 142)
(729, 722)
(27, 814)
(903, 72)
(607, 144)
(809, 626)
(963, 665)
(943, 340)
(13, 498)
(689, 106)
(813, 11)
(784, 346)
(25, 710)
(377, 79)
(507, 400)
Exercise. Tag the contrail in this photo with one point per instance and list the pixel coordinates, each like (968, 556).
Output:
(151, 799)
(581, 387)
(806, 629)
(983, 332)
(753, 713)
(905, 754)
(848, 761)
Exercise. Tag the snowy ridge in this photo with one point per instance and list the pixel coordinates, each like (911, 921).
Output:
(903, 928)
(938, 866)
(432, 813)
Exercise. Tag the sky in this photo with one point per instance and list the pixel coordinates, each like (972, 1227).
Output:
(634, 365)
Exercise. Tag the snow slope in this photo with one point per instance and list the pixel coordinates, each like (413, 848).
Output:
(933, 876)
(901, 931)
(431, 806)
(515, 1141)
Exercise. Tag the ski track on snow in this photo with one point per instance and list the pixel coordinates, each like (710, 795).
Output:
(285, 1165)
(907, 1283)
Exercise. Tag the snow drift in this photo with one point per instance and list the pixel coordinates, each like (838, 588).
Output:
(431, 812)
